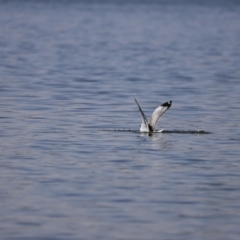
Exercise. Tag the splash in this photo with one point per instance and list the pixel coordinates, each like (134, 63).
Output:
(161, 131)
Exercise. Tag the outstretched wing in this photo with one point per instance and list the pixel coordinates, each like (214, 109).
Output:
(144, 119)
(158, 113)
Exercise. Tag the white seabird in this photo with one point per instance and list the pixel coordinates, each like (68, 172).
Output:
(159, 111)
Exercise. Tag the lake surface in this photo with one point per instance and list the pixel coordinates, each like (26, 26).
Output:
(69, 71)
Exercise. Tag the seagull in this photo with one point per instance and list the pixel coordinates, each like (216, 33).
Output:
(149, 126)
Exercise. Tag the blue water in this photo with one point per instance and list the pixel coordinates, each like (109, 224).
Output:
(69, 71)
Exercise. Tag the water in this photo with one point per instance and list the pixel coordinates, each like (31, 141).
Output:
(69, 71)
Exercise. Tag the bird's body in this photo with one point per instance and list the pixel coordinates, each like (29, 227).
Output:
(149, 126)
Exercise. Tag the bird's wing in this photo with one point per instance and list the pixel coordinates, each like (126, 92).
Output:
(144, 119)
(158, 113)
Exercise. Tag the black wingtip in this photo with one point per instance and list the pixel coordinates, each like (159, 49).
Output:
(167, 104)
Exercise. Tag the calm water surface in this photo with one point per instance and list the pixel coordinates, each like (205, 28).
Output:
(68, 71)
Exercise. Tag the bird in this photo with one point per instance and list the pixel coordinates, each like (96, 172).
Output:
(150, 126)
